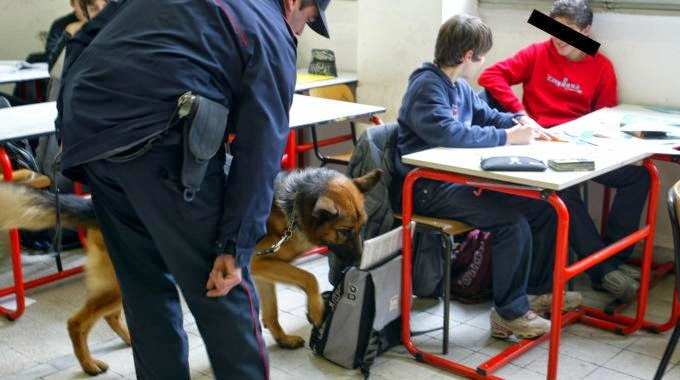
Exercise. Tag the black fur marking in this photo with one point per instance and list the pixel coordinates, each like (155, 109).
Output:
(74, 209)
(291, 188)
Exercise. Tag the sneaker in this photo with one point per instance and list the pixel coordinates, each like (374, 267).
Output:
(620, 285)
(530, 325)
(543, 303)
(630, 271)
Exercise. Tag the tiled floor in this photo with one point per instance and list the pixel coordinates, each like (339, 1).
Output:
(37, 346)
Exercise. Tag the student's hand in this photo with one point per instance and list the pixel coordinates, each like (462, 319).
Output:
(519, 135)
(74, 27)
(223, 277)
(539, 132)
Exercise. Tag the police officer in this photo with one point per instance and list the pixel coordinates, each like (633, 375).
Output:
(124, 73)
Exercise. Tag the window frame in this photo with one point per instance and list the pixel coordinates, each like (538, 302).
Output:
(608, 5)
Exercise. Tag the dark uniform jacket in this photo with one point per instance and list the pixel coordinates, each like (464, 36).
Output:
(126, 68)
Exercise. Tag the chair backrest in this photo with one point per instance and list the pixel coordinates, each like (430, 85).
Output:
(4, 102)
(337, 92)
(383, 135)
(676, 193)
(674, 212)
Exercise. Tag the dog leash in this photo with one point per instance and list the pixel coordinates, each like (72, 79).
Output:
(56, 239)
(287, 235)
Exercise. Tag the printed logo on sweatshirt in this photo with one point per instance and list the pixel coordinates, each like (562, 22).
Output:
(565, 84)
(454, 110)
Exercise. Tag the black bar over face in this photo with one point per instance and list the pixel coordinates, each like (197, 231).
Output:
(563, 32)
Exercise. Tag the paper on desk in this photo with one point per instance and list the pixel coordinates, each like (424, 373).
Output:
(382, 247)
(8, 66)
(648, 123)
(13, 66)
(651, 126)
(603, 129)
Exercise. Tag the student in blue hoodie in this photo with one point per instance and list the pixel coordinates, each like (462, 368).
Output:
(440, 109)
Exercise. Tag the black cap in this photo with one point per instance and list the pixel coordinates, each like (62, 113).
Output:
(320, 25)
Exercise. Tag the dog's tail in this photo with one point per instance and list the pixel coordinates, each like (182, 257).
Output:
(31, 209)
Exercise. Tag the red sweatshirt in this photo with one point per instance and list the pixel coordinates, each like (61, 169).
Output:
(556, 90)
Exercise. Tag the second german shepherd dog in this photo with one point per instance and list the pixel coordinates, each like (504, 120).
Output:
(318, 206)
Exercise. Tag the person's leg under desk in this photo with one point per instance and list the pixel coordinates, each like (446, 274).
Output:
(583, 235)
(632, 186)
(511, 247)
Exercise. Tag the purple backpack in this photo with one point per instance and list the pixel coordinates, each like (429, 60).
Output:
(471, 269)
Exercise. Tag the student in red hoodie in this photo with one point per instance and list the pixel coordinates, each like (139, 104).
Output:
(562, 83)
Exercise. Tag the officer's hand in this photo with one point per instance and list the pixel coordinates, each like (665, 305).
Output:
(223, 277)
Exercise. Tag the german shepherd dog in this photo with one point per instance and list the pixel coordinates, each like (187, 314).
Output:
(315, 207)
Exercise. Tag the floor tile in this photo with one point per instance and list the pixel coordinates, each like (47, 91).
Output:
(586, 352)
(654, 345)
(586, 349)
(633, 364)
(567, 368)
(12, 361)
(672, 372)
(605, 373)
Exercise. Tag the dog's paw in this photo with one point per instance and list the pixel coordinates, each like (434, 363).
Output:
(94, 367)
(290, 342)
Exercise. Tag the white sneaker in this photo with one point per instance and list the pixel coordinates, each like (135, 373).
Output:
(543, 303)
(530, 325)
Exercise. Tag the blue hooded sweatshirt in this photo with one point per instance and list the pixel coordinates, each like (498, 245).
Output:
(438, 113)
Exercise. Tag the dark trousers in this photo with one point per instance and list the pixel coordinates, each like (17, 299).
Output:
(520, 227)
(632, 185)
(157, 241)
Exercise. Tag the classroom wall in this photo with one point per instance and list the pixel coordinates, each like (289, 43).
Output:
(21, 23)
(342, 19)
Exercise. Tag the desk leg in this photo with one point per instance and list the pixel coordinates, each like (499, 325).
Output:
(622, 324)
(291, 152)
(560, 279)
(648, 252)
(19, 286)
(15, 253)
(406, 290)
(82, 232)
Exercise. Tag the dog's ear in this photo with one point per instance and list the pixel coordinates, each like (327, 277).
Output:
(366, 182)
(324, 209)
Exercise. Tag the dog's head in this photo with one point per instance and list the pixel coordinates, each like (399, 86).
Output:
(332, 212)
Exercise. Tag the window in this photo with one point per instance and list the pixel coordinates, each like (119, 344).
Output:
(623, 5)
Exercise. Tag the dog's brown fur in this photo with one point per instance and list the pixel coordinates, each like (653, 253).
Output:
(325, 216)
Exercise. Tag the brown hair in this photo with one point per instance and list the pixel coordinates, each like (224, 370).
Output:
(575, 11)
(459, 34)
(84, 4)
